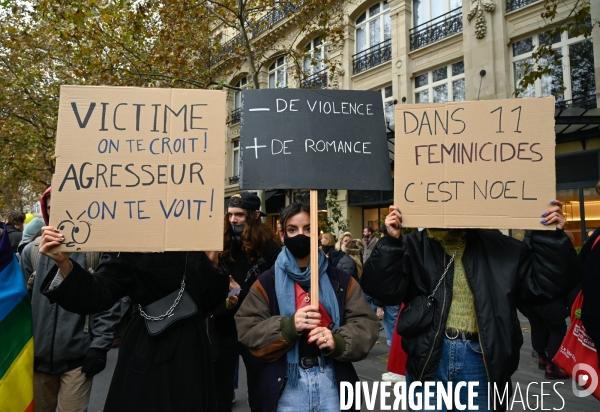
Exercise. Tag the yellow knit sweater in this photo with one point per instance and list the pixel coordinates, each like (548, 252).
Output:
(462, 309)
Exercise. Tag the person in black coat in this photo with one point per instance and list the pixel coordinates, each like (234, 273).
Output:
(14, 227)
(474, 320)
(168, 372)
(548, 329)
(249, 249)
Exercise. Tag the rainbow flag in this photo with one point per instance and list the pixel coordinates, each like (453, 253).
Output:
(16, 340)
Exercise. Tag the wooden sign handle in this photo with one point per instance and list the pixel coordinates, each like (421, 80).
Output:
(314, 249)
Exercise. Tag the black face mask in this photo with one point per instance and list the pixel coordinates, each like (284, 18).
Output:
(237, 229)
(237, 233)
(298, 245)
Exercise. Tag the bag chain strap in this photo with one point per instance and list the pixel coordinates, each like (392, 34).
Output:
(430, 297)
(173, 306)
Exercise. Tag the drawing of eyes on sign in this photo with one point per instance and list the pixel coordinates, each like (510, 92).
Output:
(139, 169)
(480, 164)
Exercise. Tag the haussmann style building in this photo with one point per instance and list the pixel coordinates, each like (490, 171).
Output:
(415, 51)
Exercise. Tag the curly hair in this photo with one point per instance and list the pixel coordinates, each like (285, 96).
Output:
(255, 237)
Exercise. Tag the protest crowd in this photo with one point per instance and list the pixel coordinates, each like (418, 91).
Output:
(252, 300)
(192, 301)
(299, 205)
(298, 306)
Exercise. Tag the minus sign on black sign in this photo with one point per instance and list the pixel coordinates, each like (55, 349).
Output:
(260, 109)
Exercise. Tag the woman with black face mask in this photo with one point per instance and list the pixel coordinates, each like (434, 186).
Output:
(307, 351)
(249, 249)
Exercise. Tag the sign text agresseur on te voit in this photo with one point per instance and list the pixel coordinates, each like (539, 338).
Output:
(139, 169)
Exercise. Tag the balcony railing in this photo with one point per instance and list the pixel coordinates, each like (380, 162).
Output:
(254, 29)
(227, 48)
(512, 5)
(273, 17)
(317, 81)
(436, 29)
(235, 115)
(373, 56)
(234, 180)
(587, 103)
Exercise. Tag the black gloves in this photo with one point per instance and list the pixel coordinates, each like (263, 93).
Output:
(94, 362)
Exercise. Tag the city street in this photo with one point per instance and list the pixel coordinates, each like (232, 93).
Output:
(375, 365)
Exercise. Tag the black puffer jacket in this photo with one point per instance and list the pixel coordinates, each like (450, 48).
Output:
(342, 261)
(502, 272)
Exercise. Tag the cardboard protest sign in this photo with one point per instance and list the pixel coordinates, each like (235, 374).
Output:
(480, 164)
(314, 139)
(139, 169)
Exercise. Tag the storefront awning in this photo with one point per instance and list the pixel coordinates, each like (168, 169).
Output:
(577, 120)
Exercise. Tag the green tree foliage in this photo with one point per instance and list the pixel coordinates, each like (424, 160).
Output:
(45, 44)
(335, 223)
(170, 43)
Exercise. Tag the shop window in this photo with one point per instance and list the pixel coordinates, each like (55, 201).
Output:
(375, 218)
(572, 211)
(582, 210)
(591, 208)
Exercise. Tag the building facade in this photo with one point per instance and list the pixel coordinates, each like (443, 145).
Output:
(429, 51)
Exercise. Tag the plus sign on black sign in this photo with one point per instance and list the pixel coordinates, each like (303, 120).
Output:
(314, 139)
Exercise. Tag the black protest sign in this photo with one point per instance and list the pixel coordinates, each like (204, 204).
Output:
(316, 139)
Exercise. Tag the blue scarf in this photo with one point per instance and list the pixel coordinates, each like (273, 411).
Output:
(286, 273)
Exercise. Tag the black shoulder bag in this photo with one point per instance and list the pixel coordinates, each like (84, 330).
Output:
(416, 317)
(173, 307)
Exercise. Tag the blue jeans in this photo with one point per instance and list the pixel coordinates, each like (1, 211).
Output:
(462, 361)
(316, 392)
(390, 313)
